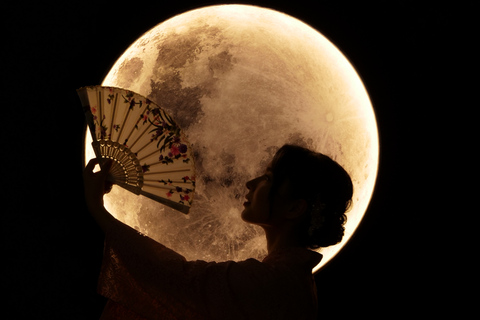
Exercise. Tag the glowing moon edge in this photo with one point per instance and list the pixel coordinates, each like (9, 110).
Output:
(368, 188)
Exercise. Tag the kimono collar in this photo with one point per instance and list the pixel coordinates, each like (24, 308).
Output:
(294, 256)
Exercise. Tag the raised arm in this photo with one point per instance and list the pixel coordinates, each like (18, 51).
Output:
(140, 273)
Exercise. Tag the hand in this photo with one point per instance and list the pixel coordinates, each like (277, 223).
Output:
(96, 184)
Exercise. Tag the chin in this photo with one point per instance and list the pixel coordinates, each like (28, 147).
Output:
(246, 218)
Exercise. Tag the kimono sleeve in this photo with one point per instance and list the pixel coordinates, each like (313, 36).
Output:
(156, 282)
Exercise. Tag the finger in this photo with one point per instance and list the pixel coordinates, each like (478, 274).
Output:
(91, 165)
(108, 186)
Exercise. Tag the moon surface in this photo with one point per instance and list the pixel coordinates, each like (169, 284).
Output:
(242, 81)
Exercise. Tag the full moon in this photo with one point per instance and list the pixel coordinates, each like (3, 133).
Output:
(242, 81)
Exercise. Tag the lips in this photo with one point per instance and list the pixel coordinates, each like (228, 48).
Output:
(247, 201)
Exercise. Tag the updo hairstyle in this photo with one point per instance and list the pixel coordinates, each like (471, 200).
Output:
(323, 184)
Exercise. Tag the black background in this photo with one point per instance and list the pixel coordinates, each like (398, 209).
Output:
(396, 264)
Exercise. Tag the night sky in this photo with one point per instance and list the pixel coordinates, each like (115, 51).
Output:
(397, 263)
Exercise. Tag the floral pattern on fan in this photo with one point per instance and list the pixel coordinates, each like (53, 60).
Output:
(167, 133)
(153, 155)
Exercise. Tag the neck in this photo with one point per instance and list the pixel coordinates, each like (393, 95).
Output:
(279, 238)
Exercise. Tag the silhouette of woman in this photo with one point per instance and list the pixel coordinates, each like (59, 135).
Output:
(300, 201)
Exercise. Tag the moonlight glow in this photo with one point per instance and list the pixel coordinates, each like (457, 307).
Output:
(242, 81)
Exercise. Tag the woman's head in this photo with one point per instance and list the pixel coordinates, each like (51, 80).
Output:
(322, 185)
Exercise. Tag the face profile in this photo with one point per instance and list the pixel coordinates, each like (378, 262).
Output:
(257, 204)
(305, 190)
(265, 208)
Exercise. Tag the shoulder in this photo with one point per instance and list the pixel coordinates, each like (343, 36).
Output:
(274, 290)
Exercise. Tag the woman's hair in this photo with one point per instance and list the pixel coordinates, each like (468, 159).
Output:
(323, 184)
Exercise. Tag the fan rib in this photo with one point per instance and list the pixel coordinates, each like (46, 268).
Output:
(100, 110)
(175, 183)
(164, 171)
(136, 127)
(148, 155)
(113, 115)
(159, 186)
(175, 205)
(138, 138)
(118, 172)
(123, 124)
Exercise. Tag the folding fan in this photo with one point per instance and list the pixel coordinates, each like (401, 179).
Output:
(151, 155)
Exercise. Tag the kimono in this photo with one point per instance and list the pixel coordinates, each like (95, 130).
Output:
(143, 279)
